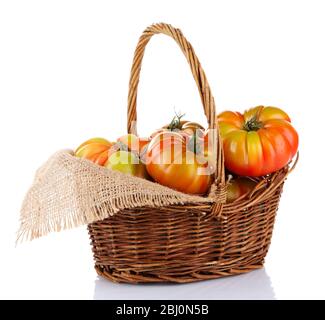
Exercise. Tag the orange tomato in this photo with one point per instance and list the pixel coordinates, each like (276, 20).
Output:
(171, 163)
(95, 149)
(258, 142)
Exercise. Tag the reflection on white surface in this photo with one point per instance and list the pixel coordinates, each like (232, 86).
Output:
(253, 285)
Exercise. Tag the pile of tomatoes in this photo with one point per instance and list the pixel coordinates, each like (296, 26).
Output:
(181, 155)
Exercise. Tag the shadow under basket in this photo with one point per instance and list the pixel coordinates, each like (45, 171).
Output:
(192, 242)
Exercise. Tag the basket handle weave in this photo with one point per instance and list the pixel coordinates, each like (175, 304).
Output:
(199, 77)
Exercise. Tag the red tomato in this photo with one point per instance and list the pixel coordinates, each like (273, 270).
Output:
(258, 142)
(171, 163)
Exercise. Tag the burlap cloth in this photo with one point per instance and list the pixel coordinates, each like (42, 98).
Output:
(68, 192)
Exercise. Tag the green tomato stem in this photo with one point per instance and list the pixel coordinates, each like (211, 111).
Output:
(253, 124)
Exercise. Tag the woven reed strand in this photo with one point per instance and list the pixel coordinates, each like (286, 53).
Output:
(186, 243)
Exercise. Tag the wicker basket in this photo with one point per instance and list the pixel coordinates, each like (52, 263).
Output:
(185, 243)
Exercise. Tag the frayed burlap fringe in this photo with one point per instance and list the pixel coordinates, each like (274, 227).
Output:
(68, 192)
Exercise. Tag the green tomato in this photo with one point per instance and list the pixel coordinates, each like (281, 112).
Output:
(126, 162)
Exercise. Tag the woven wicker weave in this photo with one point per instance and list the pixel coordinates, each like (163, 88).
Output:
(185, 243)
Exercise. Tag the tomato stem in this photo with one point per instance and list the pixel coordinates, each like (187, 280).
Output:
(253, 124)
(175, 124)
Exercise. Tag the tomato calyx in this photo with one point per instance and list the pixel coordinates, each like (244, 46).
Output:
(176, 124)
(253, 124)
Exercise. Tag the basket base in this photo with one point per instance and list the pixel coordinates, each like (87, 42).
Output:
(184, 243)
(132, 277)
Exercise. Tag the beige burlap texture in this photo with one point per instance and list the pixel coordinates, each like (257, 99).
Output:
(68, 192)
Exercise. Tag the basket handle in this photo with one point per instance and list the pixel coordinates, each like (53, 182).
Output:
(199, 77)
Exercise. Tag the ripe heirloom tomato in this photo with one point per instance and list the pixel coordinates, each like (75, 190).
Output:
(238, 187)
(170, 162)
(258, 142)
(122, 155)
(95, 149)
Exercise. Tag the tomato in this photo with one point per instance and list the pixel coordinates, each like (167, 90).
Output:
(126, 162)
(95, 150)
(170, 162)
(258, 142)
(239, 187)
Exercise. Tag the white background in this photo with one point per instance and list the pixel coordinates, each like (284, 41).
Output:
(64, 68)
